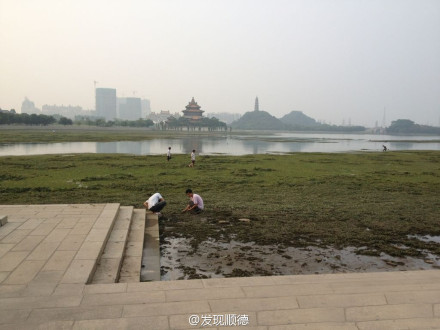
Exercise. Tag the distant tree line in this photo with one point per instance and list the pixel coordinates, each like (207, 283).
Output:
(325, 128)
(12, 118)
(100, 122)
(213, 124)
(406, 126)
(9, 118)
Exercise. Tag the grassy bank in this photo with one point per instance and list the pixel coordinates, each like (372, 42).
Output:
(368, 200)
(51, 134)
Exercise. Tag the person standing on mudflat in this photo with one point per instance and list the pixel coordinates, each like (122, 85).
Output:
(169, 154)
(193, 159)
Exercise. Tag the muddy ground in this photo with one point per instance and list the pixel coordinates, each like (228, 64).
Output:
(369, 203)
(227, 257)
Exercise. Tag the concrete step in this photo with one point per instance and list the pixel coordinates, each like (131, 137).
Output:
(109, 265)
(3, 220)
(131, 265)
(150, 270)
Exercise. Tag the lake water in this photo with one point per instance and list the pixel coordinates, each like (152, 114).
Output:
(234, 144)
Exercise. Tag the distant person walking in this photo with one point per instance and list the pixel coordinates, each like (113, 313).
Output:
(384, 147)
(169, 154)
(195, 204)
(193, 159)
(155, 203)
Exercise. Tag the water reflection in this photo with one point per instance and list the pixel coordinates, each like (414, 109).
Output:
(124, 147)
(232, 145)
(192, 143)
(20, 149)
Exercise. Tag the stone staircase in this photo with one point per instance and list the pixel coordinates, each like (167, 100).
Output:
(131, 266)
(121, 259)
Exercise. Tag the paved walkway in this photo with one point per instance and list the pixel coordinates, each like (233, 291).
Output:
(47, 254)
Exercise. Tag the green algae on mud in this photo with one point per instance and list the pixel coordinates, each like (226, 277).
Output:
(369, 201)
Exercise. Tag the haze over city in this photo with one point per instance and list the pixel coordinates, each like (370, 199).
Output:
(334, 60)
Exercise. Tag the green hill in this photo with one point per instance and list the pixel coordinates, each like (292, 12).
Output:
(298, 118)
(406, 126)
(258, 120)
(294, 121)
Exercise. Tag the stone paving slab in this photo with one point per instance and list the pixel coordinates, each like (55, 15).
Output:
(42, 315)
(45, 242)
(407, 323)
(315, 326)
(46, 256)
(147, 323)
(79, 271)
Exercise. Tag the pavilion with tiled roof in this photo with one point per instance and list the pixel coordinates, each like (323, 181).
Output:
(193, 112)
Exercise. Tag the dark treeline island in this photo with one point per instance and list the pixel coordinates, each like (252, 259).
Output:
(406, 126)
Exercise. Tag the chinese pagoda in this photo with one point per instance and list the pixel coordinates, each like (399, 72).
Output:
(193, 112)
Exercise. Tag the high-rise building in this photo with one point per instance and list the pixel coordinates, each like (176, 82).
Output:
(146, 108)
(29, 107)
(129, 108)
(106, 103)
(66, 111)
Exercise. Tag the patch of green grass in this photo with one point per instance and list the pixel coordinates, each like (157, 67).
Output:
(371, 200)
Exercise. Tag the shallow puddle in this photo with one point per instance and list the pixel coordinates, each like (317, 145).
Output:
(426, 238)
(234, 259)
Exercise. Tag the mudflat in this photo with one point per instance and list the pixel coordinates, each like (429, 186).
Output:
(379, 205)
(58, 133)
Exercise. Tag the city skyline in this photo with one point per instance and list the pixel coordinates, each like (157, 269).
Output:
(338, 61)
(379, 122)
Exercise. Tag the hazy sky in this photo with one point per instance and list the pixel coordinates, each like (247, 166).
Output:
(334, 60)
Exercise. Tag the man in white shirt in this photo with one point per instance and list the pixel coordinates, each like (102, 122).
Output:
(195, 204)
(155, 203)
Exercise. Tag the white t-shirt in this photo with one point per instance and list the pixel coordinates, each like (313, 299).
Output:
(153, 200)
(198, 200)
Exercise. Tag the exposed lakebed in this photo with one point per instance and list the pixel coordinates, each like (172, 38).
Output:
(181, 259)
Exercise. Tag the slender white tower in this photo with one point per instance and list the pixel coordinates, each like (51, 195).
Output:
(257, 106)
